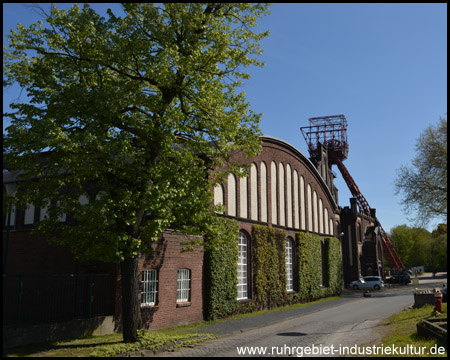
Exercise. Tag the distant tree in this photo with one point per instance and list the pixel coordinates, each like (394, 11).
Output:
(424, 184)
(417, 246)
(412, 244)
(139, 106)
(438, 249)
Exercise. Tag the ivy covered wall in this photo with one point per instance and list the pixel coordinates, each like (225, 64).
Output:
(267, 269)
(333, 266)
(309, 260)
(220, 269)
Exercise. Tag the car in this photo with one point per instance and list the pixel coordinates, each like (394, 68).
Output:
(368, 282)
(399, 279)
(444, 293)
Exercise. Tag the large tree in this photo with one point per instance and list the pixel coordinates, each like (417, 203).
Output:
(132, 112)
(424, 184)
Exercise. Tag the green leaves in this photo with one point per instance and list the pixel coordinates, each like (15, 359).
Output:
(140, 107)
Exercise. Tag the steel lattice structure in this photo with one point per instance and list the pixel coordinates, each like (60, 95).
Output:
(331, 133)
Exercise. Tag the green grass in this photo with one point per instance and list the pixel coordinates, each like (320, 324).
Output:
(110, 345)
(152, 340)
(400, 329)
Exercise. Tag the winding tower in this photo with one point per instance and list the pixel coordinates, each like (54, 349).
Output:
(331, 133)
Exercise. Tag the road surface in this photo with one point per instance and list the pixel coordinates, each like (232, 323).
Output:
(344, 325)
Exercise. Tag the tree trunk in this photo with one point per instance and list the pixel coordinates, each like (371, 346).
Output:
(131, 310)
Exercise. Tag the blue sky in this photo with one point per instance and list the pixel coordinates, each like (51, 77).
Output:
(384, 66)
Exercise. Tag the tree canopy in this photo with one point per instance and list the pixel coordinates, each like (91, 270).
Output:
(416, 246)
(141, 105)
(132, 112)
(424, 183)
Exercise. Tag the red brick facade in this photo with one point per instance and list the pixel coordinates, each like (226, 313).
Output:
(297, 209)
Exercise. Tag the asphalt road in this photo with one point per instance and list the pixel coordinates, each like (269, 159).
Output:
(348, 321)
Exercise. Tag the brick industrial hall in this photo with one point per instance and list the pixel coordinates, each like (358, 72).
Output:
(288, 241)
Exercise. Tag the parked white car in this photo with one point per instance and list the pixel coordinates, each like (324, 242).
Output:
(368, 282)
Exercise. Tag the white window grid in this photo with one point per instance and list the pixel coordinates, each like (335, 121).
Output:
(289, 266)
(242, 287)
(183, 285)
(149, 287)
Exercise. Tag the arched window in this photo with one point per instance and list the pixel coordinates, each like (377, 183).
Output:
(302, 204)
(242, 286)
(254, 192)
(273, 191)
(183, 285)
(309, 206)
(320, 216)
(263, 192)
(326, 221)
(231, 206)
(315, 212)
(289, 251)
(289, 195)
(243, 211)
(281, 194)
(218, 195)
(296, 202)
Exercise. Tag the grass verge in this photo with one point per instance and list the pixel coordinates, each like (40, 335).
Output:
(400, 331)
(151, 341)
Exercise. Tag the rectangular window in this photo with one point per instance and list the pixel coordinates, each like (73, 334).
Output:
(43, 215)
(183, 285)
(29, 215)
(149, 287)
(289, 266)
(242, 268)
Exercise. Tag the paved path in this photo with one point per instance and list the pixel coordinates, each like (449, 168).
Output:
(346, 321)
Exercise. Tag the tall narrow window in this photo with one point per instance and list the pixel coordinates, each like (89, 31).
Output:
(326, 222)
(29, 215)
(273, 191)
(320, 216)
(149, 287)
(218, 195)
(43, 215)
(289, 195)
(263, 192)
(231, 195)
(183, 285)
(296, 202)
(242, 287)
(254, 192)
(309, 207)
(302, 204)
(315, 212)
(281, 194)
(289, 265)
(243, 197)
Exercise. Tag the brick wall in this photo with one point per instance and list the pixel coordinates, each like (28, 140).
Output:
(167, 259)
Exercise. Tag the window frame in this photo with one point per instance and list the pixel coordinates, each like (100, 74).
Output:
(242, 268)
(289, 265)
(183, 285)
(149, 285)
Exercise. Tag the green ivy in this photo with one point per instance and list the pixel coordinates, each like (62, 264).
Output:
(220, 264)
(309, 260)
(334, 266)
(269, 267)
